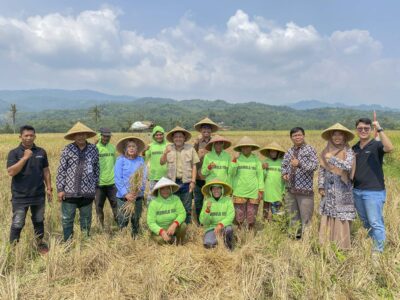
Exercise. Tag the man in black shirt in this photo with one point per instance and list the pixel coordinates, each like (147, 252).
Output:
(369, 184)
(29, 168)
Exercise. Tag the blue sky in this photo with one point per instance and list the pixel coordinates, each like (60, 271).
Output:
(267, 51)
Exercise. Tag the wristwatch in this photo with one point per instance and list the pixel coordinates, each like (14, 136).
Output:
(380, 129)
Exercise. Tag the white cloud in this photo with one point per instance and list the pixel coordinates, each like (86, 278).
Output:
(252, 59)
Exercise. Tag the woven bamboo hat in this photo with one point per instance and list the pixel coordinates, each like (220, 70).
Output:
(164, 182)
(178, 129)
(218, 138)
(79, 128)
(206, 121)
(273, 146)
(206, 188)
(122, 143)
(246, 141)
(326, 134)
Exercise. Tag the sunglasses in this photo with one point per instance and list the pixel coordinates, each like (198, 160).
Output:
(365, 129)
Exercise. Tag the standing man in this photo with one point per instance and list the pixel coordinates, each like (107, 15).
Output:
(298, 167)
(106, 187)
(31, 182)
(77, 178)
(205, 127)
(153, 155)
(369, 183)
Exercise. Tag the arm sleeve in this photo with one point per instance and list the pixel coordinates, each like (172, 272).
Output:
(195, 157)
(119, 181)
(310, 162)
(260, 176)
(205, 218)
(181, 212)
(204, 168)
(96, 165)
(230, 214)
(151, 219)
(12, 159)
(62, 171)
(346, 164)
(321, 178)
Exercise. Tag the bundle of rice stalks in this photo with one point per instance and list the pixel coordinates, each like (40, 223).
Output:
(136, 184)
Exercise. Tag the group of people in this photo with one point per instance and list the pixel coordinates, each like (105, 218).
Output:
(226, 190)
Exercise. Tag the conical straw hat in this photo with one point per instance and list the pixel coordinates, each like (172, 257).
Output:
(218, 138)
(178, 129)
(326, 134)
(165, 182)
(206, 121)
(206, 188)
(79, 128)
(122, 142)
(272, 146)
(246, 141)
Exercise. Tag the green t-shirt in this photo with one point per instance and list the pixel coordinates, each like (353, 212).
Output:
(153, 154)
(162, 212)
(220, 171)
(107, 157)
(247, 176)
(221, 211)
(274, 185)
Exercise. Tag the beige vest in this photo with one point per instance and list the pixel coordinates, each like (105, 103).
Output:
(187, 163)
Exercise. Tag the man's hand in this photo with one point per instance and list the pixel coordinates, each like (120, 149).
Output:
(376, 125)
(212, 166)
(265, 166)
(171, 229)
(328, 156)
(130, 197)
(218, 229)
(286, 177)
(27, 154)
(49, 193)
(295, 162)
(167, 150)
(61, 196)
(209, 203)
(165, 236)
(321, 192)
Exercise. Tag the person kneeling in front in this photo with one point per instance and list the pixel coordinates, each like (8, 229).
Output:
(166, 214)
(217, 214)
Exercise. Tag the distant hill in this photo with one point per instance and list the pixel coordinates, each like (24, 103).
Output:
(169, 113)
(315, 104)
(45, 99)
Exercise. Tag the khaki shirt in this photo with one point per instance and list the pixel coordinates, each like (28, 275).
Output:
(180, 163)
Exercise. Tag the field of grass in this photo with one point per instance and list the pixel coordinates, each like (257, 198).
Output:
(264, 265)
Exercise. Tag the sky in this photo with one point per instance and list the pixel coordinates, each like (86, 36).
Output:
(274, 52)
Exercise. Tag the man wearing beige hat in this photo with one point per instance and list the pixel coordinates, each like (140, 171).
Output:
(77, 178)
(181, 160)
(206, 126)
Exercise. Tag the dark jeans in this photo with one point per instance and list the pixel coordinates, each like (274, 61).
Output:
(123, 219)
(102, 193)
(186, 198)
(210, 239)
(68, 210)
(198, 198)
(18, 220)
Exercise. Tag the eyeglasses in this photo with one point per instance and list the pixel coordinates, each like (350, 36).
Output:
(365, 129)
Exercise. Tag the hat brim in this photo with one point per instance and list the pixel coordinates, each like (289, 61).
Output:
(106, 134)
(214, 127)
(70, 136)
(170, 135)
(122, 142)
(238, 148)
(227, 188)
(227, 144)
(327, 134)
(264, 151)
(174, 188)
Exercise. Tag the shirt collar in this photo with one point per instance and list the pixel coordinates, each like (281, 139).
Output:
(23, 148)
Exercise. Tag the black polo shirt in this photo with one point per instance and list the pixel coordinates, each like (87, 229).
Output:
(28, 185)
(369, 171)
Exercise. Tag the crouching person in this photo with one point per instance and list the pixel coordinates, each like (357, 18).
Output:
(166, 214)
(217, 213)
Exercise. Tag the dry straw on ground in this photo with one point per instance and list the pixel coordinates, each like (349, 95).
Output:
(267, 265)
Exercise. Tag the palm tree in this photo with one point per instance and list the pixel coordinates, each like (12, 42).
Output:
(96, 112)
(13, 111)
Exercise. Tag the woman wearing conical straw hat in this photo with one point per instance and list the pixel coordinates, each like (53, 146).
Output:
(335, 186)
(217, 213)
(205, 127)
(247, 181)
(130, 180)
(274, 185)
(181, 160)
(77, 178)
(166, 214)
(217, 161)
